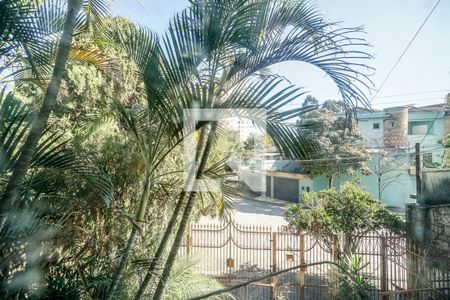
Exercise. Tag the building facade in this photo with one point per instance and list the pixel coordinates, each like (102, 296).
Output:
(393, 133)
(390, 134)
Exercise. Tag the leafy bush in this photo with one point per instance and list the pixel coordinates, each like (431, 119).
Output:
(341, 216)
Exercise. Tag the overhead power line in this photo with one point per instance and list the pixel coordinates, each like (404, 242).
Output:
(407, 101)
(444, 106)
(413, 93)
(404, 51)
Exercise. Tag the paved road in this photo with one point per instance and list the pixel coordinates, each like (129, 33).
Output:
(253, 212)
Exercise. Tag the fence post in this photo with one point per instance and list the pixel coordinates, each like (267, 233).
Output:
(302, 269)
(188, 242)
(384, 274)
(274, 265)
(335, 248)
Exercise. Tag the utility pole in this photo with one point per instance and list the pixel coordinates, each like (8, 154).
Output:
(419, 165)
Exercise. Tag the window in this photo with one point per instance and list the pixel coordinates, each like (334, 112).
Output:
(392, 124)
(307, 189)
(428, 159)
(420, 127)
(376, 125)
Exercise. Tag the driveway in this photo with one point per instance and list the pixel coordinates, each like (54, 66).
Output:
(248, 211)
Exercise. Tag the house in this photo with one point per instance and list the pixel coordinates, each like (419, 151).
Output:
(393, 130)
(404, 126)
(272, 176)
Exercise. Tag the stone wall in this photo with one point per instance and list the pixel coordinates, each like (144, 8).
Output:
(428, 226)
(440, 227)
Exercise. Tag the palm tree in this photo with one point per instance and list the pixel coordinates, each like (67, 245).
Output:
(25, 35)
(28, 228)
(20, 168)
(223, 48)
(167, 95)
(215, 55)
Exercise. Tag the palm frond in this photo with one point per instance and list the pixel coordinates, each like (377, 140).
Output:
(294, 31)
(14, 121)
(185, 283)
(18, 25)
(95, 12)
(32, 30)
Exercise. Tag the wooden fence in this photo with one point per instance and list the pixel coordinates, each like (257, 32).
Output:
(234, 253)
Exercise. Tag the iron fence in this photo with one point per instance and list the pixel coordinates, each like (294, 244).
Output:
(234, 253)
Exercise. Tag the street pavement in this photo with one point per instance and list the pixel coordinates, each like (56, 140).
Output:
(248, 211)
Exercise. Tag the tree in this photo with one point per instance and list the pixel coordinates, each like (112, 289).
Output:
(341, 149)
(60, 177)
(336, 106)
(310, 100)
(215, 54)
(341, 217)
(20, 168)
(26, 32)
(229, 69)
(388, 166)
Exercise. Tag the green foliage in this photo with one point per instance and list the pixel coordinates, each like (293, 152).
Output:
(30, 31)
(341, 216)
(184, 282)
(335, 106)
(61, 180)
(118, 122)
(341, 145)
(55, 154)
(348, 281)
(310, 100)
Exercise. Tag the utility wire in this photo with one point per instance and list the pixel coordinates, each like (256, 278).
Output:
(393, 96)
(406, 101)
(414, 93)
(444, 106)
(404, 51)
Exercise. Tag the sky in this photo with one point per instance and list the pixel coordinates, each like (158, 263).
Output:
(421, 78)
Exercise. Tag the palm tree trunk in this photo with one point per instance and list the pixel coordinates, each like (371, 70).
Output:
(172, 222)
(161, 247)
(20, 168)
(185, 218)
(140, 213)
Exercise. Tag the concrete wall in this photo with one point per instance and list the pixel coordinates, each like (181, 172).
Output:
(256, 181)
(374, 137)
(436, 186)
(431, 143)
(396, 195)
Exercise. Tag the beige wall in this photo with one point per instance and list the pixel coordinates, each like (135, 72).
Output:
(397, 136)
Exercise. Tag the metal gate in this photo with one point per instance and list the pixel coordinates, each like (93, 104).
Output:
(234, 253)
